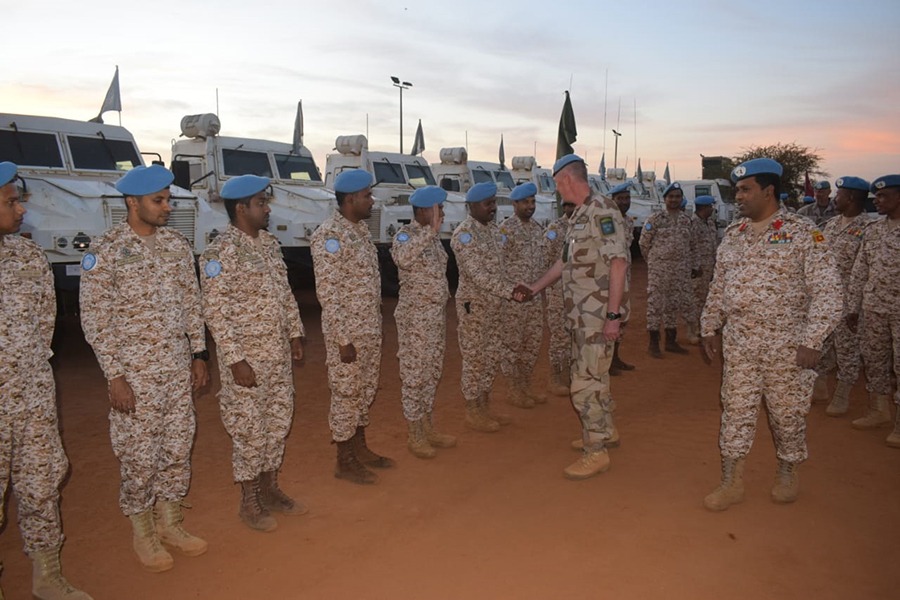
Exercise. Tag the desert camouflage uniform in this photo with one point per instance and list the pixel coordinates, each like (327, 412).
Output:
(597, 235)
(875, 288)
(818, 215)
(483, 287)
(667, 246)
(842, 346)
(348, 285)
(771, 293)
(705, 241)
(523, 323)
(252, 314)
(31, 451)
(141, 312)
(560, 346)
(421, 316)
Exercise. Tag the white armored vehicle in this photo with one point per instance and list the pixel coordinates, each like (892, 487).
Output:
(720, 189)
(525, 169)
(456, 173)
(646, 198)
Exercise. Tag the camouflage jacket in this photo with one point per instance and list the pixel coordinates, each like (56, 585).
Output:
(874, 284)
(523, 249)
(479, 255)
(843, 244)
(422, 265)
(817, 215)
(704, 243)
(666, 238)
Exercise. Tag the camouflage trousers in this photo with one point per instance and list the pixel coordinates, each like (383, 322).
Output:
(523, 332)
(258, 419)
(700, 290)
(480, 345)
(421, 339)
(669, 294)
(153, 444)
(881, 352)
(353, 385)
(560, 347)
(32, 456)
(755, 371)
(841, 349)
(591, 398)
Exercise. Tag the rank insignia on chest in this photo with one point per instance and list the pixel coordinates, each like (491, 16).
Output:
(582, 219)
(781, 238)
(856, 232)
(817, 236)
(607, 227)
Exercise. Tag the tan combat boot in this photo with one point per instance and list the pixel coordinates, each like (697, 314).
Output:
(879, 413)
(516, 395)
(485, 404)
(47, 581)
(556, 386)
(590, 464)
(437, 440)
(417, 444)
(349, 468)
(477, 421)
(251, 511)
(893, 440)
(146, 544)
(692, 337)
(787, 482)
(731, 489)
(168, 526)
(840, 403)
(274, 499)
(530, 393)
(820, 388)
(612, 442)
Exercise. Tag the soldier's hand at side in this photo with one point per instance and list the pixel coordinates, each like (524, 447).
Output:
(436, 219)
(348, 354)
(199, 374)
(712, 348)
(297, 348)
(853, 322)
(522, 293)
(807, 357)
(121, 396)
(243, 374)
(611, 330)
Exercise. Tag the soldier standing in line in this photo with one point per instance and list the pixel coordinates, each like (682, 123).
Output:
(523, 325)
(31, 451)
(874, 288)
(822, 210)
(844, 234)
(773, 298)
(560, 345)
(421, 317)
(703, 261)
(348, 285)
(141, 313)
(253, 316)
(621, 195)
(666, 246)
(594, 269)
(483, 286)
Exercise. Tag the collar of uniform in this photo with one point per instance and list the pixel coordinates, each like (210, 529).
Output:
(344, 222)
(241, 235)
(476, 223)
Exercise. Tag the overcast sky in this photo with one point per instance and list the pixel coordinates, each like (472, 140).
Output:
(708, 77)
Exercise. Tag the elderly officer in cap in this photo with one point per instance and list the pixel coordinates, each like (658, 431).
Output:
(666, 244)
(253, 316)
(523, 325)
(483, 286)
(559, 348)
(703, 261)
(822, 210)
(844, 234)
(874, 289)
(141, 312)
(594, 269)
(348, 285)
(771, 305)
(421, 317)
(31, 451)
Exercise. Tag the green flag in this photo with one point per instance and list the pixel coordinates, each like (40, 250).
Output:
(567, 132)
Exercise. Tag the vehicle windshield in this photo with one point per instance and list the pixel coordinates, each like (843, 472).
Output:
(30, 149)
(419, 175)
(98, 154)
(245, 162)
(727, 193)
(388, 172)
(504, 179)
(300, 168)
(481, 176)
(547, 183)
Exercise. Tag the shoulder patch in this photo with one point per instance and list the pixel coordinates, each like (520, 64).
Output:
(332, 245)
(817, 236)
(403, 237)
(551, 234)
(648, 226)
(502, 238)
(465, 237)
(607, 227)
(213, 269)
(89, 261)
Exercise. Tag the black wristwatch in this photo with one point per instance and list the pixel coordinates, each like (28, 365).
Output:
(611, 316)
(204, 355)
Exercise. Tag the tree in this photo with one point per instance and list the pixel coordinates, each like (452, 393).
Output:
(797, 160)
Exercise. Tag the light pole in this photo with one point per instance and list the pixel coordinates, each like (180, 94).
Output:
(616, 155)
(402, 85)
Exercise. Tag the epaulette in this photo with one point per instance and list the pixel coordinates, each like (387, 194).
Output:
(739, 225)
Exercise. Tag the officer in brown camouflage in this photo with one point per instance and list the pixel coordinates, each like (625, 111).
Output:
(560, 345)
(621, 195)
(31, 451)
(822, 210)
(348, 285)
(141, 313)
(705, 240)
(421, 317)
(253, 316)
(769, 310)
(874, 289)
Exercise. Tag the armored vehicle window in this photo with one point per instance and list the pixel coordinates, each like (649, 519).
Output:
(482, 176)
(99, 154)
(702, 190)
(30, 149)
(504, 179)
(547, 183)
(419, 176)
(243, 162)
(387, 172)
(301, 168)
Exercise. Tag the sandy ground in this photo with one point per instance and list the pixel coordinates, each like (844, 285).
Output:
(494, 518)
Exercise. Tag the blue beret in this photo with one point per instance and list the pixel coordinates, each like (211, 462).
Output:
(145, 180)
(353, 181)
(622, 187)
(683, 203)
(244, 186)
(784, 196)
(565, 160)
(808, 199)
(427, 196)
(757, 166)
(822, 185)
(481, 191)
(7, 172)
(672, 186)
(852, 183)
(704, 201)
(522, 191)
(885, 182)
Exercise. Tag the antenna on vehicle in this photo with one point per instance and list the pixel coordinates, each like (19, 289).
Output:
(217, 102)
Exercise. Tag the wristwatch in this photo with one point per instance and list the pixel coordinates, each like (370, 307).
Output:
(204, 355)
(611, 316)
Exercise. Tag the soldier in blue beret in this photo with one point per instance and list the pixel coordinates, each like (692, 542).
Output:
(704, 242)
(823, 209)
(808, 200)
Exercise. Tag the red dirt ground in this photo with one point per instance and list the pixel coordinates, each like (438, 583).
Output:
(494, 518)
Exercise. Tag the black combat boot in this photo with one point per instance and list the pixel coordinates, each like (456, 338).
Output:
(653, 349)
(366, 456)
(348, 466)
(671, 344)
